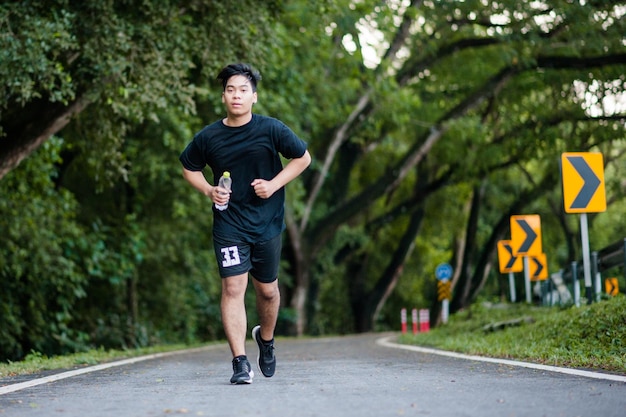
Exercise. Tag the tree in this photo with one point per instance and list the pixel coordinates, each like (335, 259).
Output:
(60, 58)
(492, 84)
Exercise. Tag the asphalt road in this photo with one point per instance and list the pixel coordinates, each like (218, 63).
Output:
(326, 377)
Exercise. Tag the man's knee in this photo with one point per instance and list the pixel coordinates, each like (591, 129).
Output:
(269, 291)
(235, 286)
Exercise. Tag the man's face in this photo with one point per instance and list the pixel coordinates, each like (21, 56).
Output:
(238, 96)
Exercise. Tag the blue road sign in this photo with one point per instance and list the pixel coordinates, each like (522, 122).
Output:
(443, 271)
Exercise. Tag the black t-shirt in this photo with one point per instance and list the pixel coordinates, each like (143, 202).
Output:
(248, 152)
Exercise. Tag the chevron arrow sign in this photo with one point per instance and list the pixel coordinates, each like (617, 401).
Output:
(526, 235)
(583, 182)
(507, 260)
(538, 267)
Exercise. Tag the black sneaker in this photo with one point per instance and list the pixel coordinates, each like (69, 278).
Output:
(242, 371)
(266, 359)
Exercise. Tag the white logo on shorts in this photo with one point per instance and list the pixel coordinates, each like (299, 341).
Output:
(231, 256)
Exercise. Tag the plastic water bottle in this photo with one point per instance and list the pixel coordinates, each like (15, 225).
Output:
(224, 182)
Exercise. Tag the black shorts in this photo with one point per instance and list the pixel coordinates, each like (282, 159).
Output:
(260, 259)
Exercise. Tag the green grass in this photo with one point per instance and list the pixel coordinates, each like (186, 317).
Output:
(590, 337)
(37, 363)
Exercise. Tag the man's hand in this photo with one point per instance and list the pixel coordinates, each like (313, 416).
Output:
(220, 195)
(262, 188)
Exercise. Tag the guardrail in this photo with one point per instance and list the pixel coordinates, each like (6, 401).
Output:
(610, 257)
(564, 286)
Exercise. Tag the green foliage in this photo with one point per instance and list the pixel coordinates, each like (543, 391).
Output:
(101, 249)
(99, 276)
(40, 266)
(115, 54)
(30, 63)
(591, 336)
(332, 315)
(503, 133)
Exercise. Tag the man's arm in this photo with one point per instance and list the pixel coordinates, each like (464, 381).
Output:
(199, 182)
(265, 189)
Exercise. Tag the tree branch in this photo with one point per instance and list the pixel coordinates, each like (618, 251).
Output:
(362, 104)
(572, 62)
(25, 135)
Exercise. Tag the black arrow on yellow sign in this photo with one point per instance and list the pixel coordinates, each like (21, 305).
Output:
(583, 182)
(539, 267)
(507, 260)
(512, 259)
(526, 234)
(530, 235)
(611, 286)
(592, 182)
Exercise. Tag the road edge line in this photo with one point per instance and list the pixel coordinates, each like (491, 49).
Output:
(384, 341)
(68, 374)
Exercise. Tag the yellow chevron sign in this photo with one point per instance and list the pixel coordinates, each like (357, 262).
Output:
(583, 182)
(507, 260)
(538, 266)
(443, 289)
(526, 235)
(611, 285)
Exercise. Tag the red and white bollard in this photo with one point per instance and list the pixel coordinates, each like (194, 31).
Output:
(414, 319)
(424, 320)
(403, 320)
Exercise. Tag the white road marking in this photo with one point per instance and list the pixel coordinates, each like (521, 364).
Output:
(39, 381)
(385, 341)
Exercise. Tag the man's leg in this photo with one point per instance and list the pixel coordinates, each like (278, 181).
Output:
(234, 312)
(268, 303)
(265, 262)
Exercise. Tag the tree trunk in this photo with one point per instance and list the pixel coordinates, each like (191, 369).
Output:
(465, 274)
(302, 266)
(24, 135)
(367, 306)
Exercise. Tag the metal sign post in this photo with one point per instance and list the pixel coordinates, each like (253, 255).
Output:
(443, 272)
(527, 279)
(584, 192)
(575, 284)
(584, 233)
(445, 310)
(512, 287)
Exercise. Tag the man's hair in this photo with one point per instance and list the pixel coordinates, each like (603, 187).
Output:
(239, 69)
